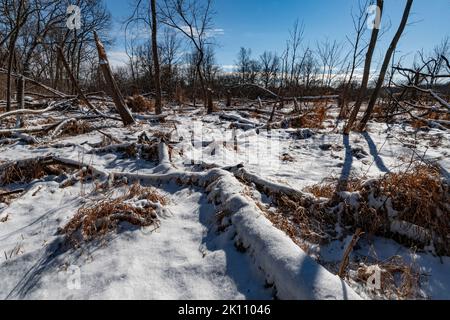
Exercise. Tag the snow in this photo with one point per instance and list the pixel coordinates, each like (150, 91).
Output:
(435, 270)
(295, 275)
(187, 257)
(181, 260)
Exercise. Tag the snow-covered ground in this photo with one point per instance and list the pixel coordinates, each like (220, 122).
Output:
(180, 260)
(187, 257)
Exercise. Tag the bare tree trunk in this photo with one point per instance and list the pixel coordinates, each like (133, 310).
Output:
(385, 65)
(202, 84)
(228, 104)
(11, 49)
(20, 92)
(365, 80)
(210, 101)
(8, 77)
(119, 101)
(158, 105)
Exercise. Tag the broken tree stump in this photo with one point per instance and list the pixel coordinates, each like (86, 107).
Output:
(112, 86)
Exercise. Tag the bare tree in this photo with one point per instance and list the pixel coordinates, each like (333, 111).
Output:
(158, 104)
(243, 63)
(170, 47)
(359, 25)
(295, 39)
(21, 14)
(309, 69)
(329, 54)
(270, 65)
(385, 66)
(366, 73)
(194, 20)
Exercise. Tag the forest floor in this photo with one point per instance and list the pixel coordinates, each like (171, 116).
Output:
(212, 207)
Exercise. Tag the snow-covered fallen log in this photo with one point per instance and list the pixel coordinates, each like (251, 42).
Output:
(270, 187)
(294, 274)
(28, 130)
(239, 119)
(25, 138)
(52, 106)
(151, 118)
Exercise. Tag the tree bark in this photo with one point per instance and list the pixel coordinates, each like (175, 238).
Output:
(385, 65)
(228, 104)
(210, 101)
(365, 80)
(11, 49)
(20, 94)
(118, 99)
(158, 104)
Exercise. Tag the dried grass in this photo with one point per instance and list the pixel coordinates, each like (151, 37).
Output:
(76, 128)
(283, 223)
(398, 279)
(138, 103)
(419, 196)
(322, 190)
(312, 119)
(19, 173)
(312, 222)
(100, 218)
(25, 171)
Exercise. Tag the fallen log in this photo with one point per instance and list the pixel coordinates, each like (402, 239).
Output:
(8, 193)
(37, 83)
(52, 106)
(239, 119)
(60, 127)
(151, 118)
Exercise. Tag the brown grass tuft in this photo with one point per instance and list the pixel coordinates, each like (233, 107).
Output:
(322, 190)
(138, 103)
(419, 197)
(398, 279)
(312, 119)
(76, 128)
(28, 170)
(18, 173)
(100, 218)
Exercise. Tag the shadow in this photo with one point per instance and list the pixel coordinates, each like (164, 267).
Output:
(30, 279)
(239, 265)
(347, 166)
(344, 290)
(374, 152)
(130, 165)
(40, 219)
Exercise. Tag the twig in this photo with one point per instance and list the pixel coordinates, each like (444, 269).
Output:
(345, 258)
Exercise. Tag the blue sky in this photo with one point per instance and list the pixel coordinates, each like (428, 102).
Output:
(264, 24)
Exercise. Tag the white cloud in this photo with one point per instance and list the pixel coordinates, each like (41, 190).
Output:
(229, 68)
(117, 58)
(209, 33)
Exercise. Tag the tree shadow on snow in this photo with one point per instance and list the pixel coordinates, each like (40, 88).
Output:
(374, 152)
(240, 267)
(347, 166)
